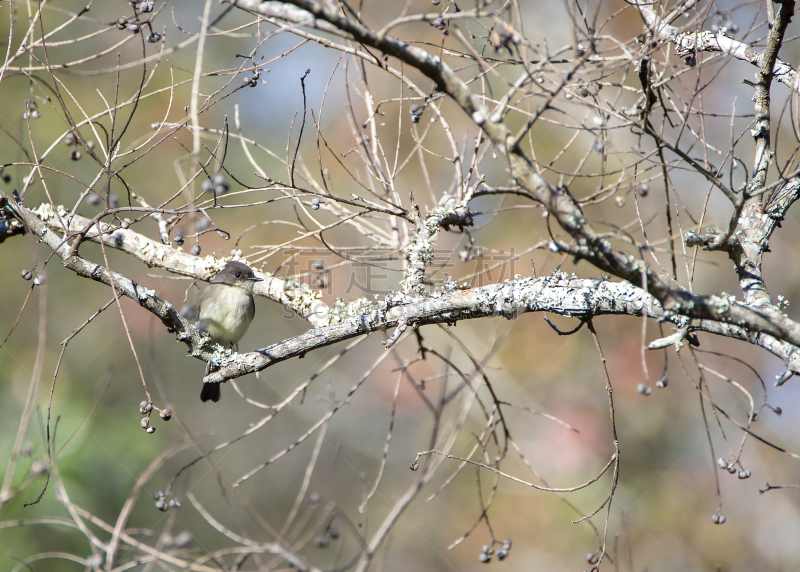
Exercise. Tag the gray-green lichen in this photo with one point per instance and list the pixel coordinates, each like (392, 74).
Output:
(419, 254)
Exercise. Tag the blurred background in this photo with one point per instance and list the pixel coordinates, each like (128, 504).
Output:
(661, 515)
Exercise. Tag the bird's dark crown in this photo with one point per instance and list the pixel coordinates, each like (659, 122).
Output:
(234, 272)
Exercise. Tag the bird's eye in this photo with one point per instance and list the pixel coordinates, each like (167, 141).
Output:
(238, 274)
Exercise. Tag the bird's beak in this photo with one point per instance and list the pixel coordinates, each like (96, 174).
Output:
(256, 279)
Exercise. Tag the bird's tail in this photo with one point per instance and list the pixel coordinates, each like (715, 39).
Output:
(210, 391)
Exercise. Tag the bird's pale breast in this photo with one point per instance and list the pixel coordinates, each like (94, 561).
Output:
(231, 329)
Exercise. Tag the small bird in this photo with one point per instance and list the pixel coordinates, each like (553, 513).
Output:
(226, 310)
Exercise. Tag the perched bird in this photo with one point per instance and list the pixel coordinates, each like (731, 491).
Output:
(226, 310)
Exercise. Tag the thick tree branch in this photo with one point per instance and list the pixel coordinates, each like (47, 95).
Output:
(753, 226)
(559, 294)
(294, 295)
(198, 342)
